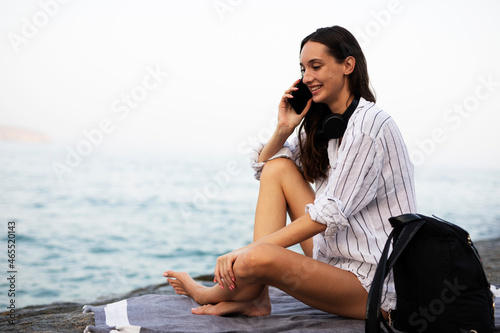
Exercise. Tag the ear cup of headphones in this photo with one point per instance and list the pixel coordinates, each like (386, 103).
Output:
(333, 126)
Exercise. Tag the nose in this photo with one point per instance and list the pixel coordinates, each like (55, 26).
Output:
(307, 78)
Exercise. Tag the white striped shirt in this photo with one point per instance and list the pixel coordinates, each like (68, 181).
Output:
(369, 180)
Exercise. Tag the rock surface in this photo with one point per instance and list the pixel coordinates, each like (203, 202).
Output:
(68, 317)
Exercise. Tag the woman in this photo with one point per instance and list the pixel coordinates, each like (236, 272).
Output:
(361, 179)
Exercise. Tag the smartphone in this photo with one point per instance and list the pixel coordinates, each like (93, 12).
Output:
(300, 97)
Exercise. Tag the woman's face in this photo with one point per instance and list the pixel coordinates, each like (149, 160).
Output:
(324, 76)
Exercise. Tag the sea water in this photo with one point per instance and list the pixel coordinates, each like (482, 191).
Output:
(115, 222)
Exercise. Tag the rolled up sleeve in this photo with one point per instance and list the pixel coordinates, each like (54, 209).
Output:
(290, 150)
(327, 211)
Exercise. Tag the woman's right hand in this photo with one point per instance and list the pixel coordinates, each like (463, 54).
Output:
(288, 119)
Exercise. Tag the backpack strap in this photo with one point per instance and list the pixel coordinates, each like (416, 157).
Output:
(406, 226)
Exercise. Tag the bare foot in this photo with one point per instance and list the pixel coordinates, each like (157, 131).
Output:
(258, 307)
(183, 284)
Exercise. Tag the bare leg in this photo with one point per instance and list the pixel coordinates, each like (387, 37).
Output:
(315, 283)
(282, 189)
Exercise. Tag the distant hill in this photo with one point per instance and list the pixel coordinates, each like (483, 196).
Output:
(16, 134)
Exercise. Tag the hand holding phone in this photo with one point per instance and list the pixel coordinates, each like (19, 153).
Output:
(300, 97)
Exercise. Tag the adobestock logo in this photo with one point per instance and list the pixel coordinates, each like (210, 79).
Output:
(381, 19)
(294, 276)
(251, 142)
(454, 116)
(221, 7)
(30, 27)
(220, 180)
(212, 189)
(436, 307)
(94, 137)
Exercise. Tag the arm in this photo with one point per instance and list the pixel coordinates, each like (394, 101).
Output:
(275, 143)
(301, 229)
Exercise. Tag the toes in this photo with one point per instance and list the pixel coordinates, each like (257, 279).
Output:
(181, 292)
(203, 310)
(177, 286)
(173, 283)
(170, 274)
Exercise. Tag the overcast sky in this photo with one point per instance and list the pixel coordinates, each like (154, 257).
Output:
(208, 75)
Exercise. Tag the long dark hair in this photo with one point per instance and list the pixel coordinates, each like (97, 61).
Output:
(341, 44)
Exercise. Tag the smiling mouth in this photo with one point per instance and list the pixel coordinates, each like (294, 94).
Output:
(315, 88)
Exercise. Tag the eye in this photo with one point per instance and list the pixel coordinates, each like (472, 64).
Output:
(302, 71)
(316, 67)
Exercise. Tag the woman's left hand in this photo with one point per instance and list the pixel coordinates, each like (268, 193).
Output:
(224, 274)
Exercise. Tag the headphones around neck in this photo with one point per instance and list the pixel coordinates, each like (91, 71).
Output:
(335, 124)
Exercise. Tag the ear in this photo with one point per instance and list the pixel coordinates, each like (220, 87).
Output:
(349, 64)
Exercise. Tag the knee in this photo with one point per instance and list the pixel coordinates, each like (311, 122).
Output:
(276, 168)
(254, 262)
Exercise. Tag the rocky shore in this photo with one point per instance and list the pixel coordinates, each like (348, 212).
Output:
(68, 317)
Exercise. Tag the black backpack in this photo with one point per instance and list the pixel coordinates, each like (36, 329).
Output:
(439, 279)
